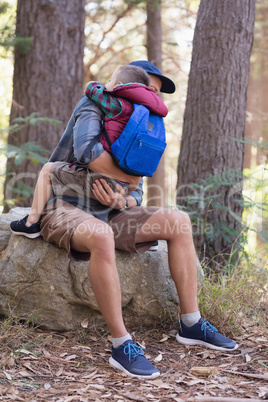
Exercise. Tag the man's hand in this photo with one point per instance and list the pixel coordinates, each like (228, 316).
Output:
(106, 196)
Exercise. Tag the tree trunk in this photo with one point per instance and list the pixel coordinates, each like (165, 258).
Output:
(48, 79)
(156, 184)
(257, 122)
(214, 117)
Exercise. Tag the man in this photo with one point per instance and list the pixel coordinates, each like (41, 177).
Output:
(84, 229)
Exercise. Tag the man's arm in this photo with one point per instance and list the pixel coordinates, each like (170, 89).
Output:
(86, 132)
(105, 165)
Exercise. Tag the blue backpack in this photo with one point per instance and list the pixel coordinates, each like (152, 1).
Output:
(141, 144)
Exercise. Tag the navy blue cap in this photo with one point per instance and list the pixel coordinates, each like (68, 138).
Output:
(168, 86)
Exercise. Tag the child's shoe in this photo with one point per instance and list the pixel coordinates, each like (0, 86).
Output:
(19, 228)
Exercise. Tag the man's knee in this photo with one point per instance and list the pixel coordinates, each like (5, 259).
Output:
(103, 233)
(177, 222)
(93, 235)
(102, 239)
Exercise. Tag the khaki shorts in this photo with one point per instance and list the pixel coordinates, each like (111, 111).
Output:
(59, 222)
(75, 181)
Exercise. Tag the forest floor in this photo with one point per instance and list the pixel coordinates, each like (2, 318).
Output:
(37, 365)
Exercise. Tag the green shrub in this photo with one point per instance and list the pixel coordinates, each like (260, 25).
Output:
(225, 299)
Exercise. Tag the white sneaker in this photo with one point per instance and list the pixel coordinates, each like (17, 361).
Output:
(154, 247)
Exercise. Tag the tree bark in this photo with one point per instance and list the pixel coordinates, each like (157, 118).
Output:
(257, 122)
(49, 78)
(156, 184)
(215, 114)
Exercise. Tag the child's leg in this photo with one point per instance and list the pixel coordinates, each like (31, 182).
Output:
(41, 194)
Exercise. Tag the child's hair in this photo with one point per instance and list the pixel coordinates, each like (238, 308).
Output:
(127, 74)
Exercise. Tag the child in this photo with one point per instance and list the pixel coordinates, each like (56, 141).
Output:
(129, 84)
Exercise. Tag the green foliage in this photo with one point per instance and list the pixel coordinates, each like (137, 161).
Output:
(21, 122)
(19, 192)
(256, 200)
(22, 191)
(29, 150)
(3, 7)
(7, 27)
(8, 39)
(136, 2)
(206, 198)
(256, 143)
(226, 299)
(23, 45)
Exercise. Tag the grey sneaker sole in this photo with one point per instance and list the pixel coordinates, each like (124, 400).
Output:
(29, 235)
(192, 342)
(118, 366)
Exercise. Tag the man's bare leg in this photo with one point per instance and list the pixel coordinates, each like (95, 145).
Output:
(175, 227)
(96, 237)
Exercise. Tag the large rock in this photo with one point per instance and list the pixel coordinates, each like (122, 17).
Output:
(39, 283)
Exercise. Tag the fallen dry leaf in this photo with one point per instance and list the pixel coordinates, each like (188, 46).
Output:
(24, 351)
(29, 367)
(84, 323)
(8, 376)
(60, 371)
(165, 338)
(158, 358)
(204, 371)
(8, 362)
(160, 384)
(89, 377)
(71, 357)
(24, 373)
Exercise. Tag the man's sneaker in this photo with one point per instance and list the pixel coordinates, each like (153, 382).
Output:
(203, 333)
(154, 247)
(19, 228)
(130, 358)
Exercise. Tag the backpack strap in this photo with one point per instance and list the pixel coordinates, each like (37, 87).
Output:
(105, 131)
(73, 162)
